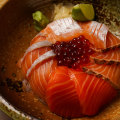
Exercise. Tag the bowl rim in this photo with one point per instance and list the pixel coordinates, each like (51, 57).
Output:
(7, 107)
(13, 112)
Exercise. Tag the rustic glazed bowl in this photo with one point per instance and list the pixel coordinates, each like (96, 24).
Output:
(16, 32)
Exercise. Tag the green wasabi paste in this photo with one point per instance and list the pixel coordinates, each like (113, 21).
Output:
(83, 12)
(40, 20)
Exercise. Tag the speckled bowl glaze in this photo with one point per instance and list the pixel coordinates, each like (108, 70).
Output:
(16, 32)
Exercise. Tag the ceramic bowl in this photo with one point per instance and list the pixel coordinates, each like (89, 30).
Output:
(16, 32)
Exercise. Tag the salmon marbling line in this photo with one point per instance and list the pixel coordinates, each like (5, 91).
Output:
(98, 31)
(111, 55)
(68, 26)
(104, 70)
(36, 46)
(113, 41)
(40, 59)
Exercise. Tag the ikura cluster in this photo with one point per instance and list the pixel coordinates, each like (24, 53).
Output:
(73, 53)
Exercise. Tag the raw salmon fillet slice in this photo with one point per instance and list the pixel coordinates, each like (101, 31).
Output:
(108, 72)
(30, 58)
(62, 30)
(40, 75)
(72, 93)
(61, 95)
(112, 40)
(36, 39)
(96, 33)
(109, 57)
(99, 35)
(93, 92)
(66, 29)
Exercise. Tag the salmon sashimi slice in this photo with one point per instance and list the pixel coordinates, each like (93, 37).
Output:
(37, 42)
(100, 36)
(37, 71)
(40, 76)
(112, 40)
(95, 32)
(66, 29)
(109, 57)
(93, 92)
(62, 30)
(38, 38)
(39, 46)
(72, 93)
(107, 72)
(61, 95)
(30, 58)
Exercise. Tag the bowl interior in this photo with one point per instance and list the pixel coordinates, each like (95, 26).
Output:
(16, 32)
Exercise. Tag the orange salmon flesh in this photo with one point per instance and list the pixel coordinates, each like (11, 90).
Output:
(71, 92)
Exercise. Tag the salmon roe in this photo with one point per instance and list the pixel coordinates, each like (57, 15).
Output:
(73, 53)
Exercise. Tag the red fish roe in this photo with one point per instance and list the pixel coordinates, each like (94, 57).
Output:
(73, 53)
